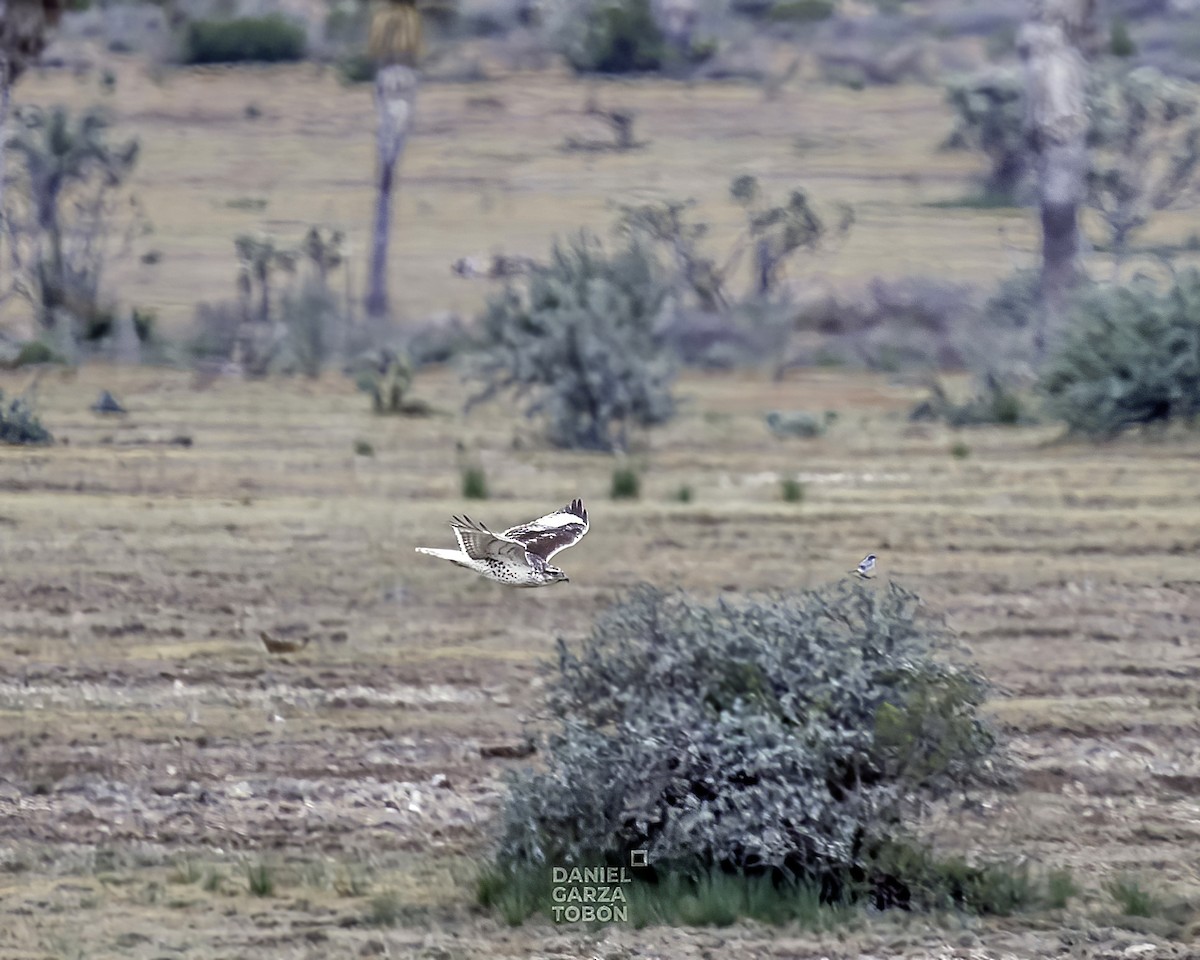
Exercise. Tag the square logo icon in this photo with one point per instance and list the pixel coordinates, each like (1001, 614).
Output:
(638, 858)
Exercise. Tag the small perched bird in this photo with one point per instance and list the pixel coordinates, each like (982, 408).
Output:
(520, 555)
(866, 566)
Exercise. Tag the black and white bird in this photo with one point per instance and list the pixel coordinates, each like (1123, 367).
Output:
(520, 556)
(866, 566)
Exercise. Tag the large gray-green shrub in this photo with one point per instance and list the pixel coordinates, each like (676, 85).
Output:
(580, 341)
(1131, 357)
(779, 734)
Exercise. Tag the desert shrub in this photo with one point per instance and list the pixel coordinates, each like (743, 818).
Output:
(617, 36)
(20, 425)
(1120, 43)
(785, 736)
(387, 376)
(989, 107)
(268, 39)
(993, 402)
(1131, 357)
(314, 327)
(795, 423)
(437, 340)
(891, 324)
(214, 330)
(34, 352)
(356, 68)
(581, 339)
(1014, 304)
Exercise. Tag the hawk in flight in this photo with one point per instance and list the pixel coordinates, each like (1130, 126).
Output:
(519, 556)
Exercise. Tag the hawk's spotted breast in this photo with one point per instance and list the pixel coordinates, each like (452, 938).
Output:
(520, 555)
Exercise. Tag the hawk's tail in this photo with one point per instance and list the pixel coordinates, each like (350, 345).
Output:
(454, 556)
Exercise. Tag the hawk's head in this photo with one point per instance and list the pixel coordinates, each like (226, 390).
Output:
(554, 575)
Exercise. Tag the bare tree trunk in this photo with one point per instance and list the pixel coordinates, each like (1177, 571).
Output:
(1052, 45)
(5, 111)
(395, 95)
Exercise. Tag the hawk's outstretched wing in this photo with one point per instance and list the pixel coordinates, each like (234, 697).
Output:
(546, 536)
(479, 543)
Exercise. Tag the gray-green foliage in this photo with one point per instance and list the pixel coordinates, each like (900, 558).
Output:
(20, 425)
(1131, 357)
(580, 342)
(784, 734)
(1145, 139)
(993, 402)
(313, 323)
(62, 213)
(776, 231)
(1143, 131)
(989, 108)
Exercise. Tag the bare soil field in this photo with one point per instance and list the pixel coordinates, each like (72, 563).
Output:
(155, 754)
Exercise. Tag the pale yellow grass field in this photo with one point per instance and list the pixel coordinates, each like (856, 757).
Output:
(480, 178)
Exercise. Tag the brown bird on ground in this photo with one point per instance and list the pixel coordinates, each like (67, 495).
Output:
(282, 646)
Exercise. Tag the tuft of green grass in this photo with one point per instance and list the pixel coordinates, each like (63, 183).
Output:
(684, 494)
(1132, 898)
(960, 451)
(1060, 887)
(186, 871)
(515, 894)
(213, 881)
(385, 909)
(998, 888)
(353, 882)
(791, 490)
(261, 880)
(712, 902)
(363, 448)
(474, 483)
(712, 899)
(626, 484)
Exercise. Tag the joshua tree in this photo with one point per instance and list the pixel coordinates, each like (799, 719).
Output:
(1145, 134)
(25, 27)
(395, 46)
(69, 172)
(1054, 45)
(323, 250)
(776, 231)
(258, 258)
